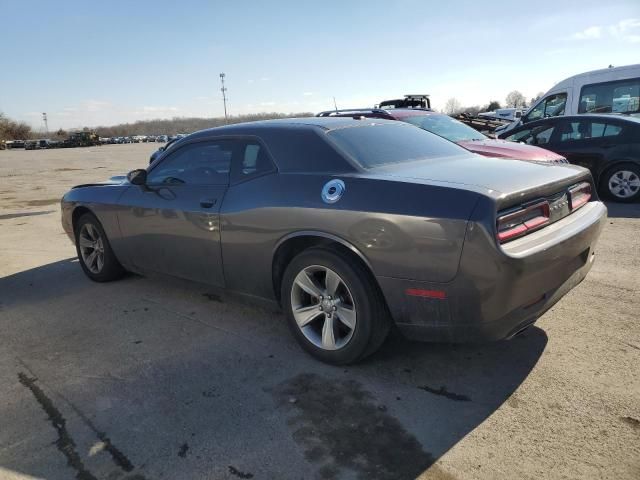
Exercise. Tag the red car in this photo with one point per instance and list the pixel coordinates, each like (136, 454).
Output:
(455, 131)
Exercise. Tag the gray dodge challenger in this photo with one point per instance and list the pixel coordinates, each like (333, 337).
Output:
(351, 226)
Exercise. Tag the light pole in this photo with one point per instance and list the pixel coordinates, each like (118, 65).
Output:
(224, 94)
(46, 125)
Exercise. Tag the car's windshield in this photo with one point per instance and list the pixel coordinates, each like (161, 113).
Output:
(446, 127)
(378, 144)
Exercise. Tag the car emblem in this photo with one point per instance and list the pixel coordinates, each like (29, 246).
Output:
(333, 191)
(560, 203)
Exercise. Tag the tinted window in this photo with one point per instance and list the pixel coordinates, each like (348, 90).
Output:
(383, 144)
(584, 130)
(303, 149)
(605, 130)
(253, 160)
(446, 127)
(204, 163)
(551, 106)
(533, 136)
(569, 131)
(622, 97)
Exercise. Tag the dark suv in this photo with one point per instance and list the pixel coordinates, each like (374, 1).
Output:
(606, 144)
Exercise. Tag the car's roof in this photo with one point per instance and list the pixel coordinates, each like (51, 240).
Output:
(411, 112)
(324, 123)
(591, 116)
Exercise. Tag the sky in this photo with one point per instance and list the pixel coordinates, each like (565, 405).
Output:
(103, 63)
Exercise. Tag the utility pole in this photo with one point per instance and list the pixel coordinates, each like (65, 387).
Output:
(224, 94)
(46, 125)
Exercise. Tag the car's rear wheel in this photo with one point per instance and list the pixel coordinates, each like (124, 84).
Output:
(333, 306)
(96, 257)
(622, 182)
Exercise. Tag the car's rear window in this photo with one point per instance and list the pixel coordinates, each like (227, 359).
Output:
(377, 144)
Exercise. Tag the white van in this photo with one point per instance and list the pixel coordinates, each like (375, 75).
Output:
(610, 90)
(503, 114)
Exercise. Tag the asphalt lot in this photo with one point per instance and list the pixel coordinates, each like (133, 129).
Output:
(153, 379)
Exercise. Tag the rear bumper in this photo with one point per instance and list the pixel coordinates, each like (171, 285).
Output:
(499, 291)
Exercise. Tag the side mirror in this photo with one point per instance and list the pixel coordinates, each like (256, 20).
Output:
(137, 177)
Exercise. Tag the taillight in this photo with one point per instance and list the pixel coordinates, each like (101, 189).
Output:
(579, 195)
(522, 221)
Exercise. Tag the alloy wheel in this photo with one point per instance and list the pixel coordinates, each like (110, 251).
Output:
(323, 307)
(91, 247)
(624, 184)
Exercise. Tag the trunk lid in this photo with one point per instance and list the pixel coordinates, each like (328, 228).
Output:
(506, 180)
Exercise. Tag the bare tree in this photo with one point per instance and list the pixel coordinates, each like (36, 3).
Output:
(183, 124)
(536, 98)
(12, 130)
(452, 106)
(515, 99)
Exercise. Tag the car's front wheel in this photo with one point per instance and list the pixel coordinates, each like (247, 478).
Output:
(622, 182)
(96, 257)
(333, 306)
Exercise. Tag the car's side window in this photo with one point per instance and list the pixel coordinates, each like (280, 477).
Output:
(552, 106)
(533, 136)
(252, 161)
(572, 131)
(622, 96)
(203, 163)
(520, 136)
(605, 130)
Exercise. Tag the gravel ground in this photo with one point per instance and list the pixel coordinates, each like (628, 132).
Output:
(149, 379)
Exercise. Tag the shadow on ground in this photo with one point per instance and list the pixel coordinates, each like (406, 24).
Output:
(146, 379)
(623, 210)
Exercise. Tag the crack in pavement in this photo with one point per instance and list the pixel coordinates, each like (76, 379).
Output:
(65, 442)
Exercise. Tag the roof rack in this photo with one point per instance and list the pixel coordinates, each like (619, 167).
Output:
(355, 111)
(409, 101)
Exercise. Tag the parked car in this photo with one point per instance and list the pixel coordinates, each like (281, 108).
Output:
(151, 138)
(455, 131)
(502, 114)
(349, 225)
(609, 90)
(31, 145)
(606, 144)
(164, 148)
(11, 144)
(162, 138)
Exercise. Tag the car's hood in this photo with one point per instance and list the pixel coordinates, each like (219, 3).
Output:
(116, 180)
(497, 177)
(505, 149)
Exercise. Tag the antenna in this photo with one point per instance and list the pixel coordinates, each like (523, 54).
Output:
(224, 95)
(46, 124)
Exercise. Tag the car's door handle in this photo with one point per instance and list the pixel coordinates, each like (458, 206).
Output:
(207, 202)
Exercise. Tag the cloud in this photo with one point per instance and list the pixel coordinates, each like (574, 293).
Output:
(307, 94)
(154, 109)
(589, 33)
(95, 105)
(627, 30)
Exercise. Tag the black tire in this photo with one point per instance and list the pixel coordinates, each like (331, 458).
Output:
(372, 318)
(616, 171)
(111, 268)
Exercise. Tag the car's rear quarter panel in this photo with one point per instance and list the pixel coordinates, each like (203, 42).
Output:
(402, 230)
